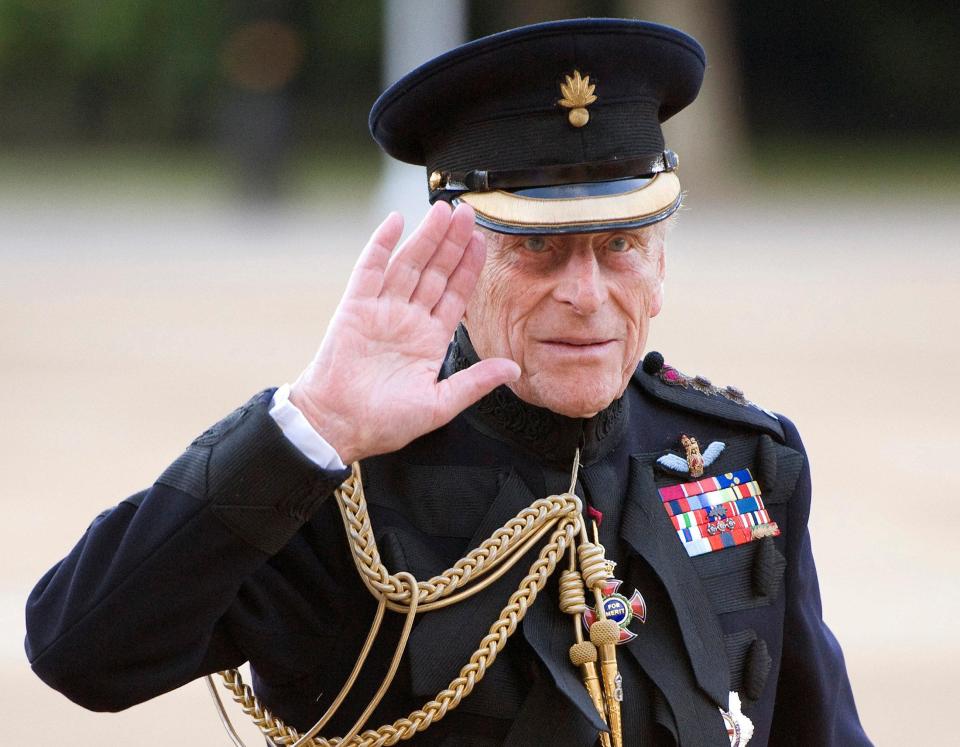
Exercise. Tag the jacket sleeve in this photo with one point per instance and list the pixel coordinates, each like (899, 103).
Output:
(814, 702)
(134, 610)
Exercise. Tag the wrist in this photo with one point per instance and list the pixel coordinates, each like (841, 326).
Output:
(328, 424)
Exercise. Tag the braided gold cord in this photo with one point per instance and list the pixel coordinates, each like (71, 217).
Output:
(272, 727)
(561, 513)
(478, 561)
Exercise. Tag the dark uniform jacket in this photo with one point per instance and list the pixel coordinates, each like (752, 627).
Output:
(238, 553)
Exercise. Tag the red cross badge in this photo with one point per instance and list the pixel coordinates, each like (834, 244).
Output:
(618, 608)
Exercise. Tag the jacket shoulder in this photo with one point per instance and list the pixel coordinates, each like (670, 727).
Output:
(698, 394)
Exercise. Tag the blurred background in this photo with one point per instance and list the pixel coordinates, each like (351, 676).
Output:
(184, 187)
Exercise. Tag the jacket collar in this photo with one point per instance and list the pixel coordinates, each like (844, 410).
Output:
(542, 433)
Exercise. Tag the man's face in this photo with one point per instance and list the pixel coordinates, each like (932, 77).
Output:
(573, 311)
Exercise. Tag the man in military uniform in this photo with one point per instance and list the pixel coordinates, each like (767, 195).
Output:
(548, 138)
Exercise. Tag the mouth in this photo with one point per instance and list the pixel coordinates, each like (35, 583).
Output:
(578, 344)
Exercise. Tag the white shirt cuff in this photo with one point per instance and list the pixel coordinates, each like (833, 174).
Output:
(300, 433)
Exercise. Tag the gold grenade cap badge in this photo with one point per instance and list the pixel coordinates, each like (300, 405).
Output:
(577, 93)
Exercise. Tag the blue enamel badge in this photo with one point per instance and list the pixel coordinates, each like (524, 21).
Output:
(619, 608)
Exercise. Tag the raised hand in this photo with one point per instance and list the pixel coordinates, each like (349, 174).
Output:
(372, 386)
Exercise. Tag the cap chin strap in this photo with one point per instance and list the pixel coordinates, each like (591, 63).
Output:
(451, 183)
(558, 515)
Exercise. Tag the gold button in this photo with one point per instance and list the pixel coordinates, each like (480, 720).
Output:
(578, 117)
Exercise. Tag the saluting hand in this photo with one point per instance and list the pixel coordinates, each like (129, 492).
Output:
(372, 386)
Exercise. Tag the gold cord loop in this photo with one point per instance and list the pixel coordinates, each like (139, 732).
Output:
(573, 599)
(593, 565)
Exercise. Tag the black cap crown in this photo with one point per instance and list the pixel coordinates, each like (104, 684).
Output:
(557, 113)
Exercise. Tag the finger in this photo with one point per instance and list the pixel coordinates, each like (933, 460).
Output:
(466, 387)
(403, 272)
(434, 278)
(367, 276)
(449, 309)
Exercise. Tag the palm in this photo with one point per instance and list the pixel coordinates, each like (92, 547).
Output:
(373, 385)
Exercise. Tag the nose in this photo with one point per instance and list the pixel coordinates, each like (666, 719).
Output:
(580, 283)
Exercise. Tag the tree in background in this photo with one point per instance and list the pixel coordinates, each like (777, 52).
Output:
(107, 70)
(823, 78)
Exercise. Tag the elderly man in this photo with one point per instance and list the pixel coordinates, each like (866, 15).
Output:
(547, 137)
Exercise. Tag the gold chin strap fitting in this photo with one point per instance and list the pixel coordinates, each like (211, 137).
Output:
(556, 517)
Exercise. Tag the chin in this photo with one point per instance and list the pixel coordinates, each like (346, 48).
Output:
(577, 397)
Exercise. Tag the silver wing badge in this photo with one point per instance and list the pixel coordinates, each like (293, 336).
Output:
(678, 464)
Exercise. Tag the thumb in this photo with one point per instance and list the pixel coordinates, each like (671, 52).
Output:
(465, 387)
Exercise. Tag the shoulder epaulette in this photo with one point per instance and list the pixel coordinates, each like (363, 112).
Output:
(698, 394)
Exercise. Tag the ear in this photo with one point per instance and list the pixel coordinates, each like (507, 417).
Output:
(656, 297)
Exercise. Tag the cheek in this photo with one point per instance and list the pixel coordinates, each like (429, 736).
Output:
(637, 296)
(492, 309)
(492, 291)
(647, 279)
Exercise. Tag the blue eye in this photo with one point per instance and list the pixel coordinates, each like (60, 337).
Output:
(535, 244)
(618, 244)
